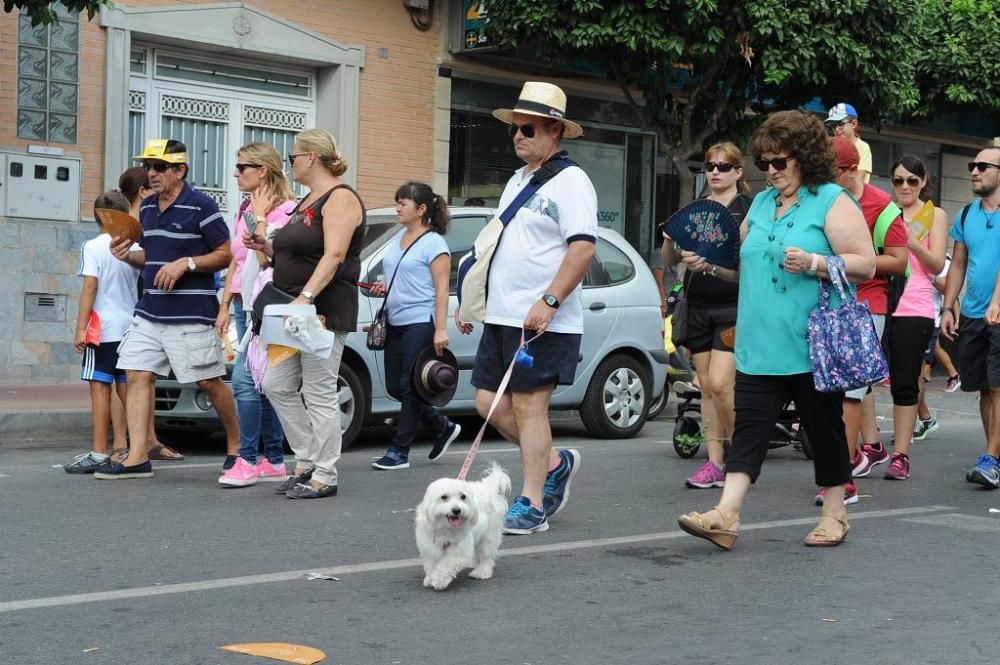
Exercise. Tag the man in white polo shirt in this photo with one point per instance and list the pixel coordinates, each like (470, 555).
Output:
(534, 285)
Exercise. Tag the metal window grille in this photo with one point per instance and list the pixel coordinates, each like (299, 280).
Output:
(48, 76)
(201, 125)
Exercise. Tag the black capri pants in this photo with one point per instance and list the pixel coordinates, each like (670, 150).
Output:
(759, 400)
(908, 340)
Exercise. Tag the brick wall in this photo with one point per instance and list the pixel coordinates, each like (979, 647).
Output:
(396, 144)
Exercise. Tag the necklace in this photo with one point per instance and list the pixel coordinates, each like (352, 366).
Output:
(990, 216)
(775, 252)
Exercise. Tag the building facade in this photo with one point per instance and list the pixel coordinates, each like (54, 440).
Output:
(406, 91)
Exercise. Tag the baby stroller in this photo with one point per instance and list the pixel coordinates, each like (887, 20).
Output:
(688, 436)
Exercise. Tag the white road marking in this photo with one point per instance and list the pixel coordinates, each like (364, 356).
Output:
(372, 566)
(961, 522)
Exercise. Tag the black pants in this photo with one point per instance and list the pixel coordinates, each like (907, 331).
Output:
(759, 400)
(908, 340)
(402, 344)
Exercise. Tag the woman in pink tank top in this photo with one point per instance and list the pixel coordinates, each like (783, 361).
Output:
(913, 320)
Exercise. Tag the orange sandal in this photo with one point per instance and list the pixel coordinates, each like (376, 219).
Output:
(722, 536)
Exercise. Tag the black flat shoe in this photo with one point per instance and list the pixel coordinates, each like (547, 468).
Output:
(307, 491)
(291, 481)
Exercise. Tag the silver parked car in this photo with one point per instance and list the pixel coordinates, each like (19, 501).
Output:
(621, 371)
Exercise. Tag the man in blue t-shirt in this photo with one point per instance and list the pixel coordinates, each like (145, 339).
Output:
(977, 256)
(184, 241)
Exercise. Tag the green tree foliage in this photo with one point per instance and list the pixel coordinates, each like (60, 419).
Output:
(700, 70)
(42, 11)
(958, 66)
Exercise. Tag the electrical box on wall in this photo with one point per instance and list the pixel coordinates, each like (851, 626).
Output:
(39, 187)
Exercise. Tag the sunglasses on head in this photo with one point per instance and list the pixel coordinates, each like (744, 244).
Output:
(243, 167)
(779, 163)
(527, 130)
(724, 167)
(912, 181)
(159, 167)
(982, 166)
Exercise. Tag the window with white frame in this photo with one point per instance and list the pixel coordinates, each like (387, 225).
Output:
(214, 105)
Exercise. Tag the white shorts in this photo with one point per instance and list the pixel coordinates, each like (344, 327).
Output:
(858, 394)
(192, 350)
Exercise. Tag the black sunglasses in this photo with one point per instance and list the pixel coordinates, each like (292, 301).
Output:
(159, 167)
(982, 166)
(527, 130)
(724, 167)
(293, 155)
(243, 167)
(912, 181)
(779, 163)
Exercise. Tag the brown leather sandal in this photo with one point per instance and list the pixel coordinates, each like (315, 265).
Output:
(164, 453)
(723, 535)
(823, 537)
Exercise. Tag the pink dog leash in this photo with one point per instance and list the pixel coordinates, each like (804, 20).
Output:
(496, 400)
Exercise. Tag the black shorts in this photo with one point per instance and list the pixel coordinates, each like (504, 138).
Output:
(555, 358)
(100, 364)
(706, 323)
(978, 354)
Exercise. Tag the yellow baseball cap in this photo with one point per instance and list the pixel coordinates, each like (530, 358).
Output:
(156, 149)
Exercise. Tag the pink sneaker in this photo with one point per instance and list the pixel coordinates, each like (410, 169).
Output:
(271, 473)
(707, 476)
(899, 467)
(850, 494)
(242, 474)
(868, 458)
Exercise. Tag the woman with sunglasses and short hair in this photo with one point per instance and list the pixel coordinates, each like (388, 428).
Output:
(712, 304)
(788, 234)
(260, 173)
(913, 321)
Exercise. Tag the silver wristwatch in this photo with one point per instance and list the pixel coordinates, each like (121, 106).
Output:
(308, 295)
(191, 265)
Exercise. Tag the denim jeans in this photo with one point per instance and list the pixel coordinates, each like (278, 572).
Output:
(257, 416)
(402, 344)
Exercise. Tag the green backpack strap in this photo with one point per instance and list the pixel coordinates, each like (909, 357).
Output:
(882, 224)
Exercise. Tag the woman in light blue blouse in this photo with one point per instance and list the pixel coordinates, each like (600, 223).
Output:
(417, 308)
(787, 235)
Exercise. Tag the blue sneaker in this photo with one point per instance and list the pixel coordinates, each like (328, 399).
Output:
(393, 460)
(557, 482)
(986, 472)
(122, 472)
(523, 518)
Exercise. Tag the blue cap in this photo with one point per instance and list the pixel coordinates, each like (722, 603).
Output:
(840, 112)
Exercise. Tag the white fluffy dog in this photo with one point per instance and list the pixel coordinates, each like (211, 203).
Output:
(460, 525)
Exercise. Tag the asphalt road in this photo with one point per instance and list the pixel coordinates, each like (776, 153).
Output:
(167, 570)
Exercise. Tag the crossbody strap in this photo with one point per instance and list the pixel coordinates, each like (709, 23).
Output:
(401, 262)
(545, 172)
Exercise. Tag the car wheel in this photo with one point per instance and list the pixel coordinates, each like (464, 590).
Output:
(657, 407)
(617, 399)
(351, 400)
(687, 437)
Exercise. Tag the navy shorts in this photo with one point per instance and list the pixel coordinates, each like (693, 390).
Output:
(929, 353)
(556, 356)
(100, 364)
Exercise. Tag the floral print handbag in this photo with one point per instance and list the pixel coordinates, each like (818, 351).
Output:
(844, 347)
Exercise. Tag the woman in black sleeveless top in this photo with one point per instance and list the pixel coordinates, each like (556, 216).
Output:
(317, 257)
(711, 313)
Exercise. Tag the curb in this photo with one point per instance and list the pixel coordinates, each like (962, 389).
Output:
(34, 428)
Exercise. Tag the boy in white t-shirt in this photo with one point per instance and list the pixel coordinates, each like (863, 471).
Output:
(109, 290)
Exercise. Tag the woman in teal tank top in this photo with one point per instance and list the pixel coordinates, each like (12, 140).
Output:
(787, 235)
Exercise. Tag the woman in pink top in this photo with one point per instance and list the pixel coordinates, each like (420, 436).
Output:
(259, 172)
(913, 319)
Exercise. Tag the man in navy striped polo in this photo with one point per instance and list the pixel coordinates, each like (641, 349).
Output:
(185, 241)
